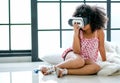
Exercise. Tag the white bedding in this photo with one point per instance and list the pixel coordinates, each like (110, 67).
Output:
(109, 67)
(112, 65)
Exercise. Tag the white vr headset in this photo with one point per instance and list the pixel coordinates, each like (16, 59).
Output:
(79, 20)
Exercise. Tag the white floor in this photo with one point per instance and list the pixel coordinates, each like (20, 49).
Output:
(23, 73)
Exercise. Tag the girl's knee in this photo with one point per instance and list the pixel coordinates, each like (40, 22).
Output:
(80, 61)
(96, 68)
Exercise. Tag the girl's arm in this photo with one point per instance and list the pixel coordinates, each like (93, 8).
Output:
(101, 44)
(76, 39)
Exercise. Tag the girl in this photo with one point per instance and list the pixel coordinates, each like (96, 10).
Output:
(81, 59)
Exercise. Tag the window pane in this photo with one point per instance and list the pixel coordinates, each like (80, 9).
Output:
(21, 37)
(105, 33)
(103, 5)
(72, 0)
(96, 0)
(47, 0)
(48, 16)
(67, 12)
(20, 11)
(114, 35)
(115, 0)
(4, 11)
(83, 0)
(115, 15)
(4, 38)
(67, 39)
(48, 40)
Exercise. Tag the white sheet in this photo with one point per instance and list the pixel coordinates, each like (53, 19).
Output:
(112, 65)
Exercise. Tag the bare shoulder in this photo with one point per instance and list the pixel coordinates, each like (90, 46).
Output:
(100, 33)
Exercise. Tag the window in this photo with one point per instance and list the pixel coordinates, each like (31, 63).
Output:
(45, 23)
(115, 25)
(15, 28)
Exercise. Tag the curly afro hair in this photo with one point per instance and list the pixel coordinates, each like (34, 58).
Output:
(95, 15)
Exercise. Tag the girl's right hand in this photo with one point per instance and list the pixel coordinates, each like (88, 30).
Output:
(76, 28)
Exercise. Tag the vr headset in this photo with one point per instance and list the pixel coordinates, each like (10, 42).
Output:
(81, 21)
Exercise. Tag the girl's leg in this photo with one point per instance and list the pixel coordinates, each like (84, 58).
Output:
(89, 68)
(72, 61)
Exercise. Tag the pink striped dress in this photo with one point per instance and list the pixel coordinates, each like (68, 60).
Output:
(89, 48)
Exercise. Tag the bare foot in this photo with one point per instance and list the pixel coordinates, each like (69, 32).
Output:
(59, 72)
(47, 70)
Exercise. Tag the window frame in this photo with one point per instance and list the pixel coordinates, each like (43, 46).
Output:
(10, 52)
